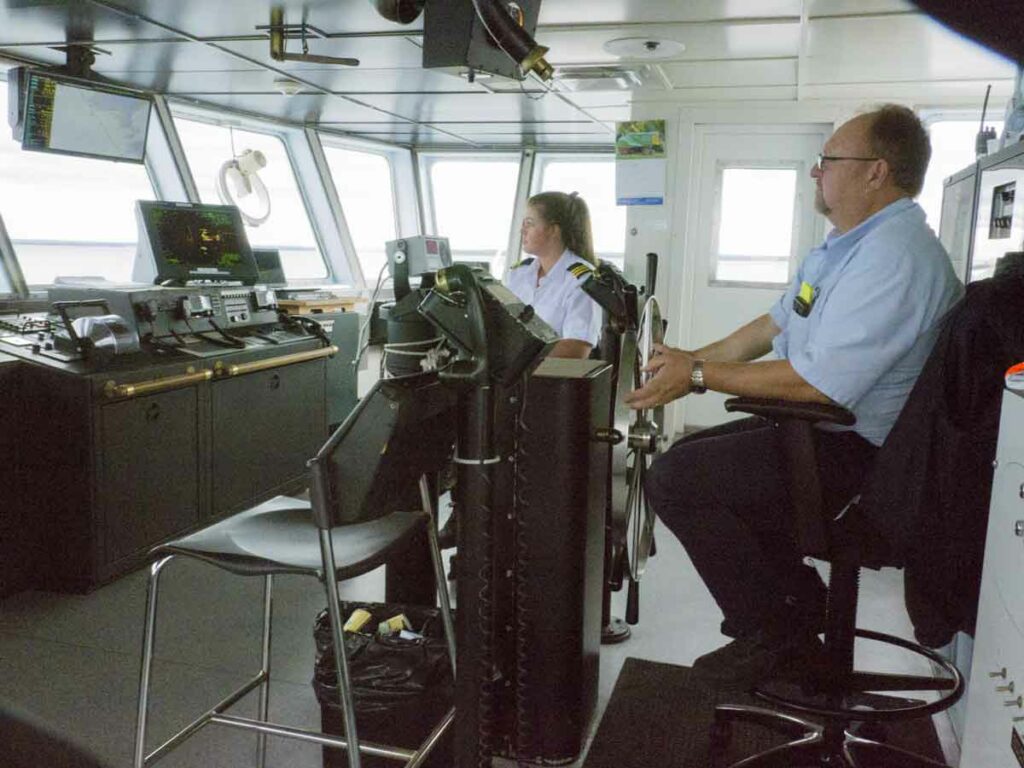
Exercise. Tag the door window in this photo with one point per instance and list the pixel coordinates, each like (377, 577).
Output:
(755, 225)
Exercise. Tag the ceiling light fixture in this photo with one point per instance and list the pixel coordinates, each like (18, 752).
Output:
(286, 86)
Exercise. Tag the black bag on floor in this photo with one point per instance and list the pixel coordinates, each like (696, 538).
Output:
(402, 687)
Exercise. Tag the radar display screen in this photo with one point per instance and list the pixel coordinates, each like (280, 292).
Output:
(198, 242)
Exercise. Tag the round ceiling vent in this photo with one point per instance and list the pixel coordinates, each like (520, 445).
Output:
(644, 48)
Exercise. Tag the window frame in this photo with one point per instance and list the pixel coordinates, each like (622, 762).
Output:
(543, 157)
(792, 261)
(158, 173)
(294, 140)
(426, 159)
(404, 200)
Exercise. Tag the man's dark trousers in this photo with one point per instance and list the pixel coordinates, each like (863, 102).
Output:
(724, 493)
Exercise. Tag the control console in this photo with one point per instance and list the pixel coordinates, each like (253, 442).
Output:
(165, 312)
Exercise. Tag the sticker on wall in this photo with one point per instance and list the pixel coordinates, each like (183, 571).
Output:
(640, 162)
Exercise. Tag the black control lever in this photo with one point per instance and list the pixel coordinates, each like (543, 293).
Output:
(652, 274)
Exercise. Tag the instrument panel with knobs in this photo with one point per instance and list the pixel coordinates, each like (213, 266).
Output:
(994, 732)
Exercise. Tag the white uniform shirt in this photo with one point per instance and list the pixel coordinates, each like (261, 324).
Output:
(558, 299)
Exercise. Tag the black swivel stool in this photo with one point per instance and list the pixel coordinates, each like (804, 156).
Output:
(839, 697)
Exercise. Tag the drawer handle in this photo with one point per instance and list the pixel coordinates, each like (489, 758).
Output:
(1008, 688)
(113, 390)
(275, 362)
(1018, 702)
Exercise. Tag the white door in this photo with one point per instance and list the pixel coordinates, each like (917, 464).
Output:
(752, 221)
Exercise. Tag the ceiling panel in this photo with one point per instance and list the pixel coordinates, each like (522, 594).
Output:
(608, 115)
(337, 79)
(232, 17)
(372, 52)
(702, 41)
(706, 74)
(29, 21)
(301, 108)
(902, 48)
(472, 107)
(858, 7)
(925, 94)
(744, 95)
(412, 137)
(604, 11)
(588, 99)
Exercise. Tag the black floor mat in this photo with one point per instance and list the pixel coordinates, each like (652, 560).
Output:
(658, 716)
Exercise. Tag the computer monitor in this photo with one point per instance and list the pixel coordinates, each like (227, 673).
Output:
(73, 117)
(185, 242)
(268, 262)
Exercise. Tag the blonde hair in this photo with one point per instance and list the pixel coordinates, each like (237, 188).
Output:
(570, 213)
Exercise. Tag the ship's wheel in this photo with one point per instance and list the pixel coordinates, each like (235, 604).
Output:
(640, 437)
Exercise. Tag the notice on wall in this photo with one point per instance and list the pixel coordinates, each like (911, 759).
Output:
(640, 162)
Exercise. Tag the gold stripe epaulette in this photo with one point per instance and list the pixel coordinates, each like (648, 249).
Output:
(580, 270)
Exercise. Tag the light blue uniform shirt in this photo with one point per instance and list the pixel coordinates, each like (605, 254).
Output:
(558, 298)
(881, 290)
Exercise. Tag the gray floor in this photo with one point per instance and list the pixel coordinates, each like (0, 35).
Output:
(73, 659)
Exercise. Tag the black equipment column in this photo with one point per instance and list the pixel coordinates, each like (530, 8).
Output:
(498, 341)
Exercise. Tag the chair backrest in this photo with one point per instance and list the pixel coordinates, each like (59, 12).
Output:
(402, 429)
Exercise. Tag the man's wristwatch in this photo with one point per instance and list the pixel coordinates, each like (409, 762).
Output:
(697, 385)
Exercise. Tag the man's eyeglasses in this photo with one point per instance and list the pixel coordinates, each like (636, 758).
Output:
(822, 159)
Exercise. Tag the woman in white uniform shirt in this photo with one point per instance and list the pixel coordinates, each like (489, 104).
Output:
(556, 232)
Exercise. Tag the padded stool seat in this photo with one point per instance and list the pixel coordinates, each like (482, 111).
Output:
(279, 536)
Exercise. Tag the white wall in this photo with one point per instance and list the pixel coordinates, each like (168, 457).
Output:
(670, 230)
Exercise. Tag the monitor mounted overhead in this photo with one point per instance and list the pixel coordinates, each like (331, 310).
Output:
(57, 113)
(183, 243)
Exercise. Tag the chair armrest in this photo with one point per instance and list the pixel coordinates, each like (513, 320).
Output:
(791, 409)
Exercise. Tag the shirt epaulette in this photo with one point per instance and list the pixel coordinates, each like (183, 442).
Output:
(580, 270)
(522, 263)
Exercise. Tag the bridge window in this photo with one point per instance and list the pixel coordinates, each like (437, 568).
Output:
(69, 216)
(754, 236)
(952, 151)
(367, 195)
(208, 146)
(471, 200)
(593, 177)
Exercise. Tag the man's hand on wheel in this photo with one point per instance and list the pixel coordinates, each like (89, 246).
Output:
(671, 368)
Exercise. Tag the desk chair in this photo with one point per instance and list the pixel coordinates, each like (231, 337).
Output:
(838, 696)
(363, 481)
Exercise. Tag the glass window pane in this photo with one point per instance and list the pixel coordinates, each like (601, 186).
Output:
(594, 180)
(952, 151)
(288, 230)
(755, 230)
(473, 201)
(69, 216)
(363, 182)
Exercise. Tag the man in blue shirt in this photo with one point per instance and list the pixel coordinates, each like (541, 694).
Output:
(854, 329)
